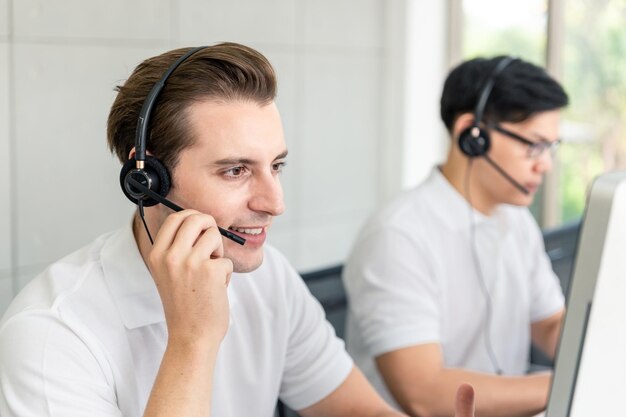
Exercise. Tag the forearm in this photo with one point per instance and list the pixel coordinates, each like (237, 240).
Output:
(546, 333)
(496, 396)
(183, 385)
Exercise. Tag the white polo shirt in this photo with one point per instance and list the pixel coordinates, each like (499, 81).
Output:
(86, 338)
(411, 279)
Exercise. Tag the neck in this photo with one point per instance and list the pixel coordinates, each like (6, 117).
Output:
(455, 170)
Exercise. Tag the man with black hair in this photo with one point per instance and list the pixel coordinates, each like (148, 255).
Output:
(450, 282)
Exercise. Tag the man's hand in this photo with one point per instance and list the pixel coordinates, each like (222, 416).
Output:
(464, 406)
(191, 275)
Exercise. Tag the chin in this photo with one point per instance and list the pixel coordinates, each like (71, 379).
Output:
(522, 201)
(246, 264)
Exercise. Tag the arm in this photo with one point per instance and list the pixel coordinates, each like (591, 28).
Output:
(545, 333)
(356, 397)
(191, 276)
(423, 387)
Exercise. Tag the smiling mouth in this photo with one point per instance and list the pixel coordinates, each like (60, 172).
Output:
(247, 230)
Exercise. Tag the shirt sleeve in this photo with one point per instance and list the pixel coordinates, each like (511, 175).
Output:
(546, 293)
(316, 362)
(46, 371)
(393, 292)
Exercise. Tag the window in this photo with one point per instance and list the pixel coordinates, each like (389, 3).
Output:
(497, 27)
(593, 74)
(591, 70)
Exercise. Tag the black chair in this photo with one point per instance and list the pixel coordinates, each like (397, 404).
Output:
(560, 245)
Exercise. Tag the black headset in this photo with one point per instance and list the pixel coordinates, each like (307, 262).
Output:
(474, 141)
(145, 180)
(148, 170)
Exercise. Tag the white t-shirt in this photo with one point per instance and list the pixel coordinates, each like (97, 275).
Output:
(86, 338)
(411, 279)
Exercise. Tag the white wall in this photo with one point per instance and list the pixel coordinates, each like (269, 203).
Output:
(341, 96)
(413, 139)
(6, 285)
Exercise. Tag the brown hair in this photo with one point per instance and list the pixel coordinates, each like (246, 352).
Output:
(224, 72)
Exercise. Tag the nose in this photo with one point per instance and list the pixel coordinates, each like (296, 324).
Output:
(268, 195)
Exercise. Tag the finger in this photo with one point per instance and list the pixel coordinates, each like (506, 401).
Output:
(222, 267)
(209, 245)
(167, 232)
(464, 406)
(228, 265)
(190, 230)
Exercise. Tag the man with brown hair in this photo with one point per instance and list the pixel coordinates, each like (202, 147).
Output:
(164, 317)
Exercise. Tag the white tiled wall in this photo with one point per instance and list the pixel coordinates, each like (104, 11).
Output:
(66, 56)
(251, 22)
(349, 23)
(92, 20)
(64, 170)
(315, 236)
(339, 133)
(5, 202)
(4, 19)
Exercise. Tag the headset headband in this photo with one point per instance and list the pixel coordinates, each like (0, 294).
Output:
(486, 91)
(146, 110)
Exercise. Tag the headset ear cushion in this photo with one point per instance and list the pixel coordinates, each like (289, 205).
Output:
(157, 173)
(474, 146)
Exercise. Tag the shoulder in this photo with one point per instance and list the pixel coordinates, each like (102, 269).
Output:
(52, 314)
(52, 287)
(410, 211)
(407, 224)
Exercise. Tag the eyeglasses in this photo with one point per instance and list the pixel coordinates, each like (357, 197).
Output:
(535, 149)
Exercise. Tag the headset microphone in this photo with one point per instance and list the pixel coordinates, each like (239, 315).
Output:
(142, 188)
(506, 176)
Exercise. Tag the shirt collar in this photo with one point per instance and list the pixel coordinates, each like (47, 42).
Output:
(454, 208)
(129, 280)
(132, 285)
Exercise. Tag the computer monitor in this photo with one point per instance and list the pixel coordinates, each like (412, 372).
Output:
(590, 366)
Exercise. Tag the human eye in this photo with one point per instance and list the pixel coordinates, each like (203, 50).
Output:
(278, 167)
(538, 148)
(235, 172)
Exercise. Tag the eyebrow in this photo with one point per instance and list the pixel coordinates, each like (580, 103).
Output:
(246, 161)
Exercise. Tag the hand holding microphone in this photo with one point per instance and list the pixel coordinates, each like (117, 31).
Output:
(191, 274)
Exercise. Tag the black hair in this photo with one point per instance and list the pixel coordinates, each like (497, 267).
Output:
(521, 90)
